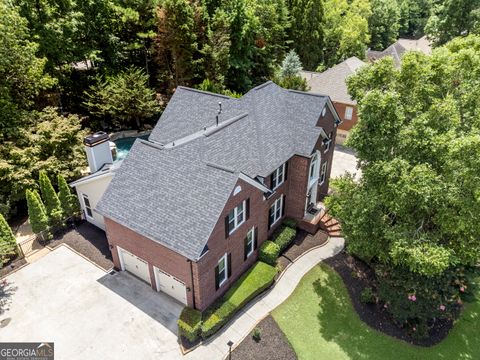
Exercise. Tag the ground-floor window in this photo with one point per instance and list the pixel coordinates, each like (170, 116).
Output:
(222, 270)
(88, 208)
(250, 241)
(276, 211)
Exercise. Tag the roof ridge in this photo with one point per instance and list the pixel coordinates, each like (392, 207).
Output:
(205, 92)
(216, 128)
(219, 167)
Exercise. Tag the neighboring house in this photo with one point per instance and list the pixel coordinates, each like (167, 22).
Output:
(397, 49)
(189, 208)
(332, 82)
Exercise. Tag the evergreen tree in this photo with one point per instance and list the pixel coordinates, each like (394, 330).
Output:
(291, 65)
(40, 201)
(288, 76)
(68, 201)
(38, 217)
(8, 244)
(52, 203)
(307, 30)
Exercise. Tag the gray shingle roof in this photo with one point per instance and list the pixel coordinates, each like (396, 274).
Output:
(331, 82)
(398, 48)
(174, 193)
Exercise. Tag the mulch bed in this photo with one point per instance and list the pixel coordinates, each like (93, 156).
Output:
(11, 266)
(303, 241)
(89, 241)
(374, 314)
(272, 344)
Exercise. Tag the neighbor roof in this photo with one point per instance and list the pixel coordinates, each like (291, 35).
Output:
(398, 48)
(332, 82)
(173, 187)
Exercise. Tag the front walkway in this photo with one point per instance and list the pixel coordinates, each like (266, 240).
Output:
(237, 329)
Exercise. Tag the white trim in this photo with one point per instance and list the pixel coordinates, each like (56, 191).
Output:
(224, 257)
(315, 160)
(324, 171)
(156, 270)
(84, 206)
(276, 176)
(252, 182)
(92, 177)
(252, 231)
(235, 210)
(119, 253)
(275, 207)
(348, 111)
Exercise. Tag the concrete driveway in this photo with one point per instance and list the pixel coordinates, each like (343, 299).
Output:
(344, 160)
(86, 312)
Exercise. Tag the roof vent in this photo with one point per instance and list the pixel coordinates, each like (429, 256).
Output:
(219, 107)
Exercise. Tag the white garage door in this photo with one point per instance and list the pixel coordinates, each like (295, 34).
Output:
(133, 264)
(170, 285)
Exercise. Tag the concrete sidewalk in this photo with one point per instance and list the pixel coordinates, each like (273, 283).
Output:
(245, 321)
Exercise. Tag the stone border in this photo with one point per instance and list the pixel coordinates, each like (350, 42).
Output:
(128, 133)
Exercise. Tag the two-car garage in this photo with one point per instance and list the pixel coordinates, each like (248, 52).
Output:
(164, 282)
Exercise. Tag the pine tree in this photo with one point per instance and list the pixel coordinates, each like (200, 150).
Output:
(37, 215)
(291, 65)
(68, 201)
(8, 244)
(40, 201)
(52, 203)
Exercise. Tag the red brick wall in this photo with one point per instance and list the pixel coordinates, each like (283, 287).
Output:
(152, 252)
(346, 124)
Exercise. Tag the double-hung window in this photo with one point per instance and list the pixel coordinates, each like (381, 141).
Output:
(222, 270)
(236, 217)
(278, 176)
(323, 172)
(250, 242)
(88, 207)
(276, 211)
(348, 113)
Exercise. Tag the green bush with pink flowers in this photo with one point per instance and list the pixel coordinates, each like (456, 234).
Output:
(417, 301)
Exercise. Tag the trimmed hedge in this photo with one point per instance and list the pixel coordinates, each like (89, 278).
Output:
(269, 252)
(290, 223)
(189, 323)
(285, 237)
(250, 284)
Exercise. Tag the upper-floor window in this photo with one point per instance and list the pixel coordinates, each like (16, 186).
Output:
(323, 172)
(328, 142)
(348, 113)
(88, 208)
(279, 176)
(237, 217)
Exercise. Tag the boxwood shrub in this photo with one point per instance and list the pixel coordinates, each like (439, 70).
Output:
(284, 237)
(189, 323)
(250, 284)
(290, 223)
(269, 252)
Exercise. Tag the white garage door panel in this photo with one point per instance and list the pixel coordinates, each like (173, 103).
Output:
(171, 286)
(135, 265)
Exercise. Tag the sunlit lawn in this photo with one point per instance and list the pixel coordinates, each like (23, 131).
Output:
(321, 323)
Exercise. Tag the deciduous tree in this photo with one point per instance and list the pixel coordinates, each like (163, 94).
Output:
(384, 23)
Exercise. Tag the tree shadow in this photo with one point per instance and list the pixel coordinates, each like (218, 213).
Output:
(6, 292)
(340, 324)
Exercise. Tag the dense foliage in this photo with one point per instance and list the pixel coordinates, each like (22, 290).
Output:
(414, 213)
(8, 244)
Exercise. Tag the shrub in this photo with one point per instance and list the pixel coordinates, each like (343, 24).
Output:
(367, 296)
(189, 323)
(269, 252)
(250, 284)
(50, 197)
(290, 223)
(68, 201)
(285, 237)
(8, 244)
(36, 212)
(257, 334)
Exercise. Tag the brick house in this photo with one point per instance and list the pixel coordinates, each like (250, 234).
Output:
(331, 82)
(188, 208)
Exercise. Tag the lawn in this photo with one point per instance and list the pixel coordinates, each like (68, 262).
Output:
(320, 322)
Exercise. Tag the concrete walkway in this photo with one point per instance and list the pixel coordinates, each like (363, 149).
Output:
(245, 321)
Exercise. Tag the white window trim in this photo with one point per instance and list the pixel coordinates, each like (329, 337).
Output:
(275, 208)
(328, 143)
(237, 224)
(276, 175)
(252, 231)
(85, 206)
(324, 171)
(225, 258)
(315, 160)
(348, 110)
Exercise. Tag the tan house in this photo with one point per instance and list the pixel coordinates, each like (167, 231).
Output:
(332, 82)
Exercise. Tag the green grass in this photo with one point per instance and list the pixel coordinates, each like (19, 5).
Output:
(320, 322)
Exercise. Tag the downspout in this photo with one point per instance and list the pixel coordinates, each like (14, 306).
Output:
(193, 285)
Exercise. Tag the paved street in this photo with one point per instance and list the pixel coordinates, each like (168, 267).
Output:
(344, 161)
